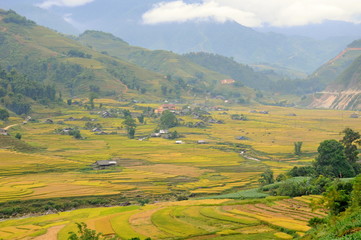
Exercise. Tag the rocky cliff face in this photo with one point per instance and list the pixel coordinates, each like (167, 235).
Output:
(343, 100)
(344, 92)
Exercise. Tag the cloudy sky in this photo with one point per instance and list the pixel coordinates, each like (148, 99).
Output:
(251, 13)
(256, 13)
(63, 3)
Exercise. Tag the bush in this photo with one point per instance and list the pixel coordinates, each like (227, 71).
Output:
(4, 114)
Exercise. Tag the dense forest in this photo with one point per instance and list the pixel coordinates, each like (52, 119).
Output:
(16, 90)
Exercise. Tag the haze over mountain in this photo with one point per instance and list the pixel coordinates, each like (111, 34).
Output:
(217, 34)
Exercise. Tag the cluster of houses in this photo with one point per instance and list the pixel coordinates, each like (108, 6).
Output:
(261, 112)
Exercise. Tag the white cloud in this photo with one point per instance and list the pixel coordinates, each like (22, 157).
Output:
(254, 13)
(63, 3)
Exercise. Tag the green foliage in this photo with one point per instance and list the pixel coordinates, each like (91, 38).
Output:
(267, 177)
(168, 120)
(238, 117)
(84, 233)
(356, 193)
(242, 74)
(15, 89)
(315, 221)
(130, 125)
(12, 17)
(79, 54)
(141, 118)
(75, 133)
(350, 141)
(302, 171)
(331, 160)
(337, 197)
(298, 186)
(298, 146)
(18, 136)
(4, 114)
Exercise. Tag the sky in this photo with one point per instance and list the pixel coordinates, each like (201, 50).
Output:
(257, 13)
(250, 13)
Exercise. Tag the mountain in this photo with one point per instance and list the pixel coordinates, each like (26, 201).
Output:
(179, 71)
(124, 19)
(330, 71)
(344, 91)
(164, 62)
(239, 72)
(49, 57)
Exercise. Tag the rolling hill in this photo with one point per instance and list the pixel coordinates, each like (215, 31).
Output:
(49, 57)
(164, 62)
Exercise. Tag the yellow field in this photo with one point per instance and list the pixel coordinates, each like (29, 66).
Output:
(156, 166)
(202, 219)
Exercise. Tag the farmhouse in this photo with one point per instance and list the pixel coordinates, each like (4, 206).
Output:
(227, 81)
(354, 115)
(165, 107)
(3, 132)
(103, 164)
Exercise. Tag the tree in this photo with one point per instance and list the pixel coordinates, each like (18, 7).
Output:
(130, 125)
(18, 136)
(267, 177)
(4, 114)
(84, 233)
(168, 120)
(337, 197)
(92, 96)
(349, 141)
(141, 118)
(298, 146)
(331, 160)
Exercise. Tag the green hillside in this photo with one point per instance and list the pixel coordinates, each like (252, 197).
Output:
(181, 73)
(49, 57)
(330, 71)
(350, 78)
(165, 62)
(225, 65)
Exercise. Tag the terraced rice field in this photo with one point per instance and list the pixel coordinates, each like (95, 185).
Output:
(199, 219)
(159, 166)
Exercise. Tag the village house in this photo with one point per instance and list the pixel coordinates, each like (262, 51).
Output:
(165, 107)
(227, 81)
(3, 132)
(103, 164)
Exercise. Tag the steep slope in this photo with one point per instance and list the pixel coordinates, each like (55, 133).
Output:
(344, 92)
(239, 72)
(46, 56)
(181, 74)
(165, 62)
(330, 71)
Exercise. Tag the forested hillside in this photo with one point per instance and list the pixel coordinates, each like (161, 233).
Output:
(181, 73)
(17, 92)
(48, 57)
